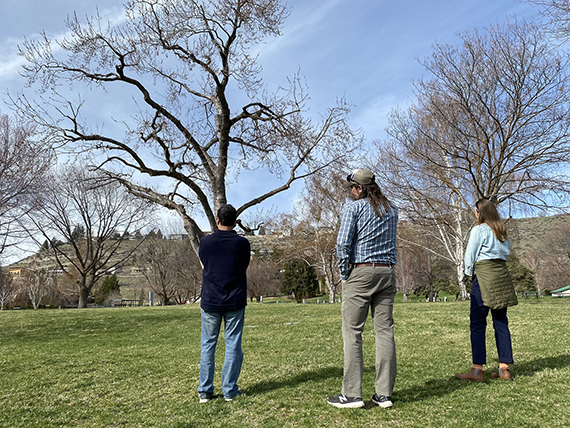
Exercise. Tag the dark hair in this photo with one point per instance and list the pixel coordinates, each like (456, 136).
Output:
(380, 203)
(488, 214)
(227, 215)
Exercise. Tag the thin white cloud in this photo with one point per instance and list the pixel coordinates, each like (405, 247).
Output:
(11, 63)
(302, 22)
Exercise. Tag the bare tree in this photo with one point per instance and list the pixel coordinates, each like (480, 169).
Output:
(263, 278)
(89, 213)
(313, 226)
(324, 198)
(189, 279)
(7, 289)
(550, 260)
(171, 269)
(410, 260)
(188, 64)
(493, 122)
(559, 242)
(557, 13)
(24, 161)
(36, 283)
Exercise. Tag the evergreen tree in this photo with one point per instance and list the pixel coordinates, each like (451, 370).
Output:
(78, 233)
(299, 279)
(523, 277)
(110, 287)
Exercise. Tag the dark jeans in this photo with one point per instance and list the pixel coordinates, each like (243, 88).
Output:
(478, 325)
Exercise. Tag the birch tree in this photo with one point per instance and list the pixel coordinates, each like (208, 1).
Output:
(313, 226)
(490, 121)
(7, 289)
(37, 283)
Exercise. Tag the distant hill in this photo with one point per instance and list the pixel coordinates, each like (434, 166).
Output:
(527, 233)
(128, 274)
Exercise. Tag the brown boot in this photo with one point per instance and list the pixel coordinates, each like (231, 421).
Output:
(502, 373)
(473, 374)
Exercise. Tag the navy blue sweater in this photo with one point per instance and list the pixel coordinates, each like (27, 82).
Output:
(225, 256)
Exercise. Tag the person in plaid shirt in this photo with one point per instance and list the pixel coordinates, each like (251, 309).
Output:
(366, 253)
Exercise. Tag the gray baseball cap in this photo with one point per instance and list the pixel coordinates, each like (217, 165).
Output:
(362, 176)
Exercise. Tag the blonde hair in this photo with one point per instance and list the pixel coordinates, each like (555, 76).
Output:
(488, 214)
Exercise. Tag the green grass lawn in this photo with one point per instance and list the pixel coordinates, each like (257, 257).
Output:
(138, 367)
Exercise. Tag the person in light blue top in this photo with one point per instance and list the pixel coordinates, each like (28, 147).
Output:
(491, 290)
(484, 245)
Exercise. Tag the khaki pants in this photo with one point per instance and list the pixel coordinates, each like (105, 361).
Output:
(369, 287)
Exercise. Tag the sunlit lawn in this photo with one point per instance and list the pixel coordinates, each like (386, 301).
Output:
(138, 367)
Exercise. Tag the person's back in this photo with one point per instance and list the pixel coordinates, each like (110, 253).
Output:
(366, 254)
(225, 257)
(372, 238)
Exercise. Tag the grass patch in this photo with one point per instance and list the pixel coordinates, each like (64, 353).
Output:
(138, 367)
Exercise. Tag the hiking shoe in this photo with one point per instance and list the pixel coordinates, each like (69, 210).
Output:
(473, 374)
(341, 401)
(233, 396)
(382, 400)
(204, 397)
(502, 373)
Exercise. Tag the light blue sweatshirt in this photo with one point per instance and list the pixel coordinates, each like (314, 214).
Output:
(484, 245)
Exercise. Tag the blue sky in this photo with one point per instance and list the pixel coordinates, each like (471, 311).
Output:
(364, 50)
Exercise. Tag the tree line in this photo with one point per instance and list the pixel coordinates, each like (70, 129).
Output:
(490, 119)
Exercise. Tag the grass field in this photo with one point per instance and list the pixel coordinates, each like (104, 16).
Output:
(138, 367)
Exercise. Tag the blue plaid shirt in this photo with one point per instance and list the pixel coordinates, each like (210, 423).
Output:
(364, 237)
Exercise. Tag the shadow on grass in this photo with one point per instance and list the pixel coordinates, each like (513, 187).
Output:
(439, 387)
(429, 389)
(528, 368)
(306, 376)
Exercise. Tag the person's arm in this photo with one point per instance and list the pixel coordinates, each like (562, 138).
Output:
(247, 252)
(471, 252)
(344, 242)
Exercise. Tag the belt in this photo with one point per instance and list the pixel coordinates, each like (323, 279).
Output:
(373, 264)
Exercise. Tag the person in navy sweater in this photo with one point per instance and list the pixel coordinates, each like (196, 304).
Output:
(225, 257)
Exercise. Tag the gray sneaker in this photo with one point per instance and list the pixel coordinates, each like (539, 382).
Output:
(204, 397)
(341, 401)
(382, 400)
(239, 392)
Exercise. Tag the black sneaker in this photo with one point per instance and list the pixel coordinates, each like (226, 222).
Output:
(382, 401)
(204, 397)
(341, 401)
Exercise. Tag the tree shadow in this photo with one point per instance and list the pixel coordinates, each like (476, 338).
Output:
(431, 388)
(438, 387)
(528, 368)
(306, 376)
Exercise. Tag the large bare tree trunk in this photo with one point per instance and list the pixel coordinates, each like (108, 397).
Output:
(83, 293)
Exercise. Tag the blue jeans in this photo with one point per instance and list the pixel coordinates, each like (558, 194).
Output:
(233, 328)
(478, 325)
